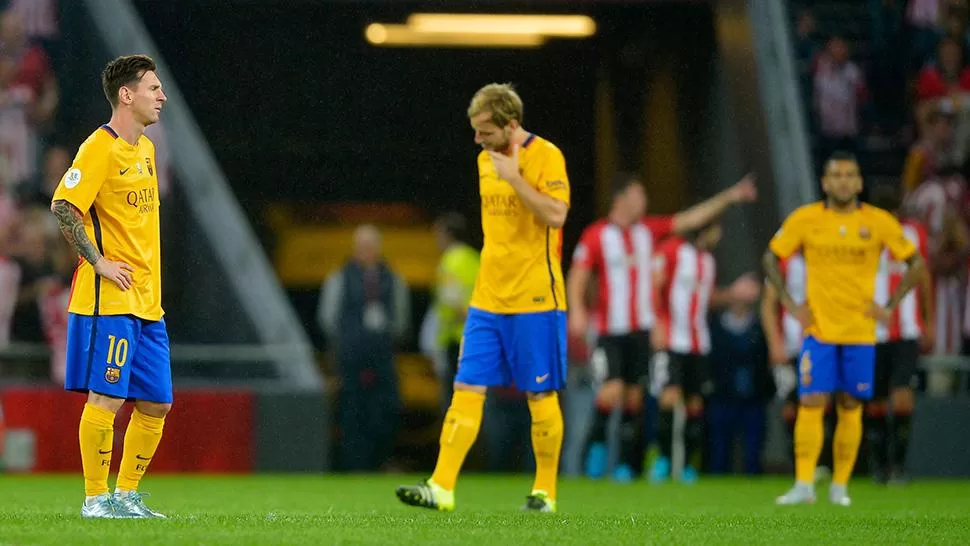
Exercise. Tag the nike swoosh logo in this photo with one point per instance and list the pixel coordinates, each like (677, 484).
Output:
(140, 458)
(542, 378)
(104, 452)
(122, 173)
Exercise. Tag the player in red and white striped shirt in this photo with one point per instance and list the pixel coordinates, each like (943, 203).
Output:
(617, 251)
(897, 352)
(684, 272)
(942, 205)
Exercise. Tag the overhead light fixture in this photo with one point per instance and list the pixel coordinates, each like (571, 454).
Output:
(565, 26)
(479, 30)
(379, 34)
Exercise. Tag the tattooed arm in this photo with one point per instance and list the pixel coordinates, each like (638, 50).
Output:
(71, 223)
(777, 281)
(913, 276)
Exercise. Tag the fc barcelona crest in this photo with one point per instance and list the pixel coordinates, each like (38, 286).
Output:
(112, 375)
(148, 163)
(864, 233)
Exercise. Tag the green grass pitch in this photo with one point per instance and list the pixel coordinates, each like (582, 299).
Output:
(311, 509)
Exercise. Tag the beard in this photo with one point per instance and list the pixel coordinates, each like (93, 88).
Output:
(500, 147)
(842, 202)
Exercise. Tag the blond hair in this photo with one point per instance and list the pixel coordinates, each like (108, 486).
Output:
(500, 100)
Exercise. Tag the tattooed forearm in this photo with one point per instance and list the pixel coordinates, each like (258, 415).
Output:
(776, 279)
(913, 276)
(70, 221)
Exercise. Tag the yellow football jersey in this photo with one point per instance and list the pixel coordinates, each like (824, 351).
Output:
(115, 186)
(841, 254)
(521, 263)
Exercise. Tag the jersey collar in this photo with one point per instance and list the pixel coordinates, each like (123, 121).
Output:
(110, 131)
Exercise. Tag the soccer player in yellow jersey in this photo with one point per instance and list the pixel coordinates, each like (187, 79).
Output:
(515, 331)
(841, 240)
(117, 347)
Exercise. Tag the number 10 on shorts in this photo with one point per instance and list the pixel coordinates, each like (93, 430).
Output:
(117, 351)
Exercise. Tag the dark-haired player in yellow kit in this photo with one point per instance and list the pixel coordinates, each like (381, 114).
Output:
(841, 240)
(117, 346)
(515, 332)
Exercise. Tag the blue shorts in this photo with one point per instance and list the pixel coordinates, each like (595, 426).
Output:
(525, 349)
(121, 356)
(824, 368)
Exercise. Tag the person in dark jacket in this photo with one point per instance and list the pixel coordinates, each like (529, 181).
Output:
(364, 309)
(739, 361)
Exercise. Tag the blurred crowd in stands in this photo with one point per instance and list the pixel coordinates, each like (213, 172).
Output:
(36, 263)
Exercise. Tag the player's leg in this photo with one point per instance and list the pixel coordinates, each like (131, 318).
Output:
(606, 364)
(537, 358)
(636, 360)
(98, 351)
(857, 374)
(481, 363)
(631, 434)
(151, 388)
(845, 447)
(902, 402)
(666, 379)
(693, 437)
(875, 421)
(697, 386)
(823, 470)
(817, 379)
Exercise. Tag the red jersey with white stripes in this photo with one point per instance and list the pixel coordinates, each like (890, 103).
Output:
(684, 296)
(793, 269)
(936, 199)
(932, 203)
(620, 258)
(907, 318)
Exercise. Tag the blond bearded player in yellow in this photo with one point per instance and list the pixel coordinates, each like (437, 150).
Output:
(117, 345)
(515, 332)
(841, 240)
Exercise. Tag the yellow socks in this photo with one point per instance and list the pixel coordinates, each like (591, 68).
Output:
(461, 426)
(809, 437)
(458, 434)
(96, 436)
(547, 432)
(845, 444)
(141, 440)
